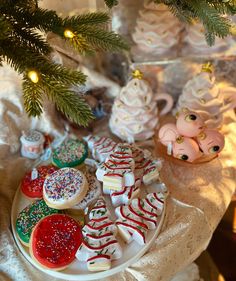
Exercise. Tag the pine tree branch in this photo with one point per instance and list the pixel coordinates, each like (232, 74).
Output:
(31, 39)
(212, 20)
(86, 19)
(32, 95)
(69, 103)
(101, 39)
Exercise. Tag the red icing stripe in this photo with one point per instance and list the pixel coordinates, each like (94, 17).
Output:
(145, 165)
(131, 219)
(121, 157)
(141, 216)
(133, 227)
(100, 236)
(119, 163)
(149, 170)
(150, 204)
(55, 240)
(100, 226)
(130, 192)
(158, 199)
(119, 193)
(113, 175)
(99, 220)
(98, 207)
(98, 142)
(144, 210)
(98, 257)
(101, 246)
(106, 150)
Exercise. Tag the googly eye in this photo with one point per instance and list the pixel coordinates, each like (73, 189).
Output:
(183, 157)
(214, 149)
(190, 117)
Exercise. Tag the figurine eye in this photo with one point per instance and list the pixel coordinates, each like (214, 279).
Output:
(214, 149)
(183, 157)
(190, 117)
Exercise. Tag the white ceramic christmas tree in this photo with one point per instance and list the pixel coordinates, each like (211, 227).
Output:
(195, 40)
(134, 112)
(202, 95)
(157, 29)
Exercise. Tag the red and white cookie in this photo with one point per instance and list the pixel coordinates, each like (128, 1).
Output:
(117, 171)
(126, 195)
(100, 246)
(101, 147)
(31, 185)
(54, 241)
(138, 217)
(93, 192)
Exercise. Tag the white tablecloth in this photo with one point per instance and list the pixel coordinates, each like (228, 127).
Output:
(199, 196)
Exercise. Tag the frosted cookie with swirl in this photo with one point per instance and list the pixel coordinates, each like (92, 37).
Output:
(65, 188)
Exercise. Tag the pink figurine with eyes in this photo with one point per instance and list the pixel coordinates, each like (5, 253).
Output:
(211, 141)
(189, 124)
(186, 149)
(168, 134)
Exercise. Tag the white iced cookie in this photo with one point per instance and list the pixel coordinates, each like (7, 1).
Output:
(93, 192)
(138, 217)
(101, 147)
(128, 193)
(64, 188)
(117, 171)
(100, 246)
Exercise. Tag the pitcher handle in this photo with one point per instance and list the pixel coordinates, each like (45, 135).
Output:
(169, 102)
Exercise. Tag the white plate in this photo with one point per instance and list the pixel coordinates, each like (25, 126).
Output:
(78, 270)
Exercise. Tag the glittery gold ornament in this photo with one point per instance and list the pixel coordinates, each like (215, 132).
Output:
(137, 74)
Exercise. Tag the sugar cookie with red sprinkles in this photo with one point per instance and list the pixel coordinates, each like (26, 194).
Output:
(54, 241)
(33, 187)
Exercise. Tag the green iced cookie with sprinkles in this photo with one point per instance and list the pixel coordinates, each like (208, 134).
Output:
(70, 153)
(30, 216)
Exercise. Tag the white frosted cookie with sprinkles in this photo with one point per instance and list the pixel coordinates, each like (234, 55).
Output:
(65, 188)
(93, 192)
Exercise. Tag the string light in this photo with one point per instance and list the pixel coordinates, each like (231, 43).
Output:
(33, 76)
(69, 34)
(233, 29)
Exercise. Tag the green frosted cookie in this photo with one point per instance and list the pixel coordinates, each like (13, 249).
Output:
(29, 217)
(70, 153)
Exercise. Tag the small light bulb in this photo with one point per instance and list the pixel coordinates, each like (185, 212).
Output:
(33, 76)
(69, 34)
